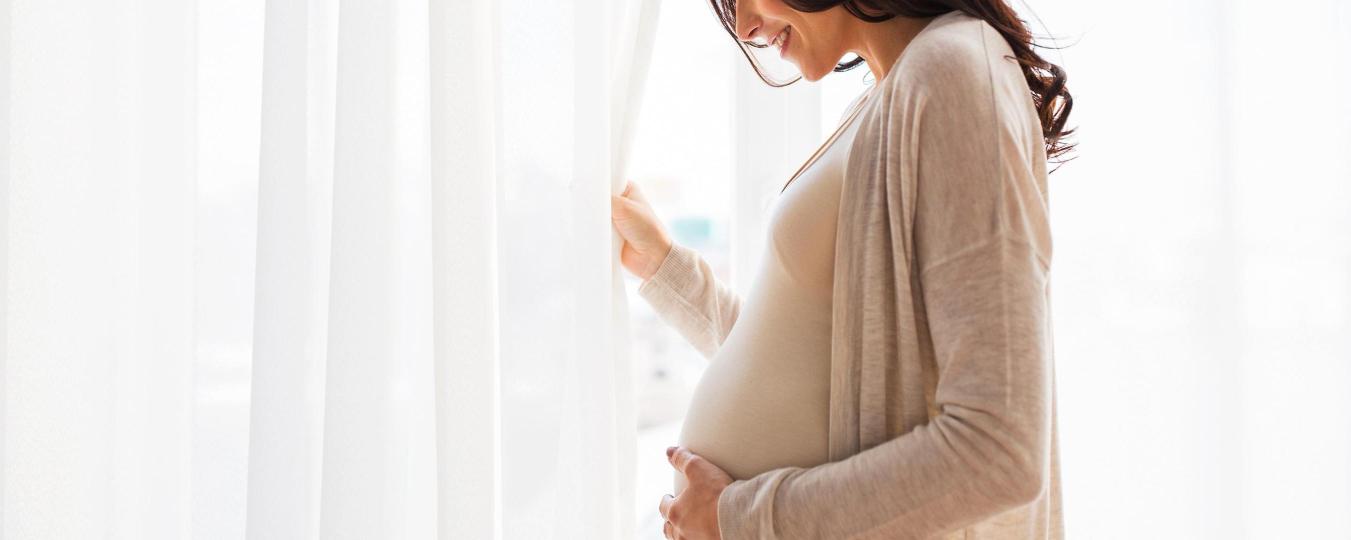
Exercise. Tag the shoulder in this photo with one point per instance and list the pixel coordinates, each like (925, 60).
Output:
(958, 81)
(954, 44)
(956, 58)
(956, 99)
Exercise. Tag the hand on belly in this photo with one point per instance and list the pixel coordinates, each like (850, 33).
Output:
(693, 511)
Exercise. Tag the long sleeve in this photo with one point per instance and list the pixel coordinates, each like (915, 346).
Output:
(984, 453)
(686, 294)
(982, 243)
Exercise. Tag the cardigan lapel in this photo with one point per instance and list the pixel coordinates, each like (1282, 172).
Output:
(876, 316)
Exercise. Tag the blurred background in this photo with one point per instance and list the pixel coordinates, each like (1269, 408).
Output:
(272, 271)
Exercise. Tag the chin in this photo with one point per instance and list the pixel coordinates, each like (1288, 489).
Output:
(813, 75)
(813, 71)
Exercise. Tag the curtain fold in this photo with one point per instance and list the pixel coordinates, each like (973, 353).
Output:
(379, 417)
(98, 369)
(432, 342)
(631, 51)
(393, 299)
(557, 118)
(464, 199)
(4, 241)
(290, 315)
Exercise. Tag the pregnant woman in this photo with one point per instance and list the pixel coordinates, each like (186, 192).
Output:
(890, 372)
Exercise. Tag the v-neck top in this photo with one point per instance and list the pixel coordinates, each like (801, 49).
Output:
(764, 400)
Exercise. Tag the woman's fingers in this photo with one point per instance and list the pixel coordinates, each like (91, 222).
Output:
(646, 242)
(634, 192)
(696, 515)
(622, 209)
(665, 509)
(665, 506)
(623, 204)
(693, 465)
(683, 459)
(618, 204)
(636, 224)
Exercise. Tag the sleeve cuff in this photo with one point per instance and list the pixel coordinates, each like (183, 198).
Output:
(733, 506)
(677, 273)
(683, 292)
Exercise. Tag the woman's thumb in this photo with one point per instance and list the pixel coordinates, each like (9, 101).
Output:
(634, 192)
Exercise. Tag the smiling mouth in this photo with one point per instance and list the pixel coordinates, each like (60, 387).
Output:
(781, 40)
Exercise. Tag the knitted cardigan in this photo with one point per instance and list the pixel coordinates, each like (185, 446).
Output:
(942, 394)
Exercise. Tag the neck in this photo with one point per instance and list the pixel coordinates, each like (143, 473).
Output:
(880, 44)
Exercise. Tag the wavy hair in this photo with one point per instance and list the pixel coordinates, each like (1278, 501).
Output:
(1045, 79)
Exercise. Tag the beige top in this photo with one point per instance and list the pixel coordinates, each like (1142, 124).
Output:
(942, 402)
(764, 401)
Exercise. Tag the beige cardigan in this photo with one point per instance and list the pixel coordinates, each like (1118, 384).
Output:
(942, 406)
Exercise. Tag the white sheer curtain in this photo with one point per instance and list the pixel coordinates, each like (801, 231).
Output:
(323, 268)
(315, 269)
(1203, 269)
(98, 220)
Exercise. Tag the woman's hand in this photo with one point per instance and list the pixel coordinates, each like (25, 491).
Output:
(694, 514)
(646, 242)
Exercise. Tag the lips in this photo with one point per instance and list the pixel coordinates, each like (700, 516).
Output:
(781, 39)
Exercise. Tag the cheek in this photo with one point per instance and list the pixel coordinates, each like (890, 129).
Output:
(819, 54)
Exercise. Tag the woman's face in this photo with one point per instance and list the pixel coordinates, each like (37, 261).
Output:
(815, 42)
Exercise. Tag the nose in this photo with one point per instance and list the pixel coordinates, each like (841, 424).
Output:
(747, 21)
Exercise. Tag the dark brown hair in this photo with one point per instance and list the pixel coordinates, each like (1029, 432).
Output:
(1046, 80)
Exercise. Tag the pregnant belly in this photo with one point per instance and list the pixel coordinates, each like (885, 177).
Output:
(763, 402)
